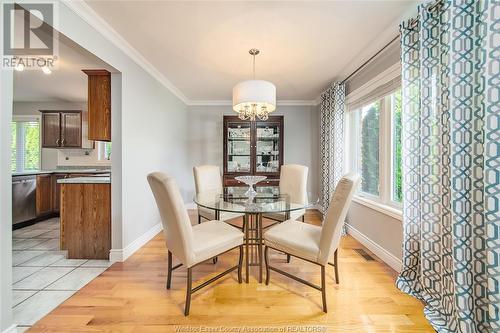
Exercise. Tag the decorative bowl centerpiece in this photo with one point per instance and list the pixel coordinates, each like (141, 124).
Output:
(250, 181)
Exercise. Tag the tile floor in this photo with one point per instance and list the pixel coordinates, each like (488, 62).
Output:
(42, 276)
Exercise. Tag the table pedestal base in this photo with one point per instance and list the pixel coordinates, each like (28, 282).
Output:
(253, 243)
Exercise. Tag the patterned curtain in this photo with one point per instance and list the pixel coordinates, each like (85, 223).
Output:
(331, 140)
(451, 164)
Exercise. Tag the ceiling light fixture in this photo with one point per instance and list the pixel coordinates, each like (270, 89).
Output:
(254, 98)
(46, 70)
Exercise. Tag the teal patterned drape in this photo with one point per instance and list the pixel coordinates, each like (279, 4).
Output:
(331, 140)
(451, 164)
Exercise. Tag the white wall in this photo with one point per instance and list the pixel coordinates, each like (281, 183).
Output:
(379, 232)
(6, 81)
(205, 142)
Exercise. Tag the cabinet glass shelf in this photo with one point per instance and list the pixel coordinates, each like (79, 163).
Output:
(267, 139)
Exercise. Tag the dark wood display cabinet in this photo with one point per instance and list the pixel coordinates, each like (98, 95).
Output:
(253, 148)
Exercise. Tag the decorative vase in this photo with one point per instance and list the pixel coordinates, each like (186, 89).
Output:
(250, 181)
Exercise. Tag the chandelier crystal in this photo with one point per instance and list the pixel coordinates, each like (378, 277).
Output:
(254, 99)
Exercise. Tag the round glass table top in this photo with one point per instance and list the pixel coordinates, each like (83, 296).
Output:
(267, 200)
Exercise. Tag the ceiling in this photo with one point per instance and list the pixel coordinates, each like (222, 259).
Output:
(66, 83)
(202, 47)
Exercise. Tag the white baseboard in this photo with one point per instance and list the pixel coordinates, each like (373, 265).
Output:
(10, 329)
(387, 257)
(119, 255)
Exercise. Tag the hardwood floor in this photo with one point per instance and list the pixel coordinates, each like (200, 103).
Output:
(131, 297)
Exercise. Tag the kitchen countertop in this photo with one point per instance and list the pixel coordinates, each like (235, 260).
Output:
(40, 172)
(85, 180)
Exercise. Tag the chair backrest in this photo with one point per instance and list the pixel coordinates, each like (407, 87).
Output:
(335, 215)
(293, 181)
(174, 217)
(207, 178)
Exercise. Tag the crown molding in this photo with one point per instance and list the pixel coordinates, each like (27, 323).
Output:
(296, 102)
(283, 102)
(98, 23)
(209, 102)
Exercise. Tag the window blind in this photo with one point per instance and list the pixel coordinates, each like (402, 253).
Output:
(376, 93)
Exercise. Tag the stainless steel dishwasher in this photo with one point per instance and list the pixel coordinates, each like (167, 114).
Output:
(23, 198)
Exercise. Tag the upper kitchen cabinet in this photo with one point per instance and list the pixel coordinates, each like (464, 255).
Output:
(99, 104)
(61, 129)
(51, 129)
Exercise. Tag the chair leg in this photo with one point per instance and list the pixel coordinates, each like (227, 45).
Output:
(323, 288)
(169, 270)
(199, 218)
(188, 291)
(243, 224)
(268, 271)
(303, 218)
(240, 264)
(335, 262)
(288, 258)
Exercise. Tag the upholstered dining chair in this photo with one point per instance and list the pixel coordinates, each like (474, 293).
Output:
(312, 243)
(293, 182)
(191, 245)
(207, 178)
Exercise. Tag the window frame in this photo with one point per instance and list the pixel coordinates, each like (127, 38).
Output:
(384, 201)
(101, 148)
(27, 118)
(393, 202)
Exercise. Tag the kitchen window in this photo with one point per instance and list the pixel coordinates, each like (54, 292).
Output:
(374, 147)
(25, 144)
(104, 150)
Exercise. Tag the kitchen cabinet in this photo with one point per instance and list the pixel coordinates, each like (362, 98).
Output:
(56, 191)
(86, 220)
(71, 129)
(99, 104)
(56, 187)
(43, 194)
(61, 129)
(252, 148)
(51, 129)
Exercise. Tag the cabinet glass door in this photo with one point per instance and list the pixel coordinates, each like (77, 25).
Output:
(267, 147)
(238, 147)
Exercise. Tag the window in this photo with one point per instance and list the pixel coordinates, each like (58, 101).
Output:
(396, 184)
(374, 147)
(369, 154)
(25, 144)
(104, 151)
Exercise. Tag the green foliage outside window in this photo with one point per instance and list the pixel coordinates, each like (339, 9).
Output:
(397, 160)
(32, 146)
(25, 145)
(370, 148)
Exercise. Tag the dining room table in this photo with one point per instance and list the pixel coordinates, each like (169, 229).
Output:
(267, 199)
